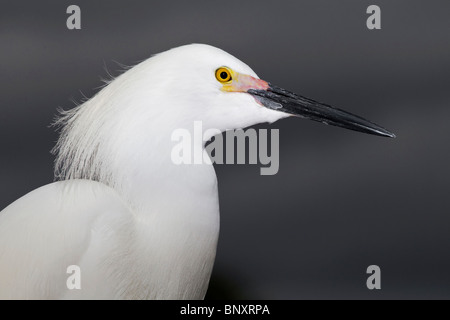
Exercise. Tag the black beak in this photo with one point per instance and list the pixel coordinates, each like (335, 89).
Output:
(282, 100)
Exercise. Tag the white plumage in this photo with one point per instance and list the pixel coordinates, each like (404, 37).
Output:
(138, 226)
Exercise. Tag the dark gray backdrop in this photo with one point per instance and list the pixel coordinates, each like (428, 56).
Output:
(341, 200)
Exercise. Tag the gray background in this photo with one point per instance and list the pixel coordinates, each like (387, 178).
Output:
(341, 200)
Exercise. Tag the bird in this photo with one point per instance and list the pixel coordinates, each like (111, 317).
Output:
(137, 225)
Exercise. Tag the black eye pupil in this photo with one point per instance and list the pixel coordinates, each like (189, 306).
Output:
(223, 75)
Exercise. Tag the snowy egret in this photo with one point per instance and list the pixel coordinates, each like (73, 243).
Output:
(137, 225)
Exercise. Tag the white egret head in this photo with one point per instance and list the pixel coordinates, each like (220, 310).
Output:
(142, 107)
(203, 83)
(208, 84)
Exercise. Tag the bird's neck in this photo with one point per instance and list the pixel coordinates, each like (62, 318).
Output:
(177, 224)
(152, 176)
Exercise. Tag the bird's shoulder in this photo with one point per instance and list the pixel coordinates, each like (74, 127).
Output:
(71, 203)
(53, 227)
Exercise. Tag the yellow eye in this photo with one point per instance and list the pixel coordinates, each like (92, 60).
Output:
(223, 75)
